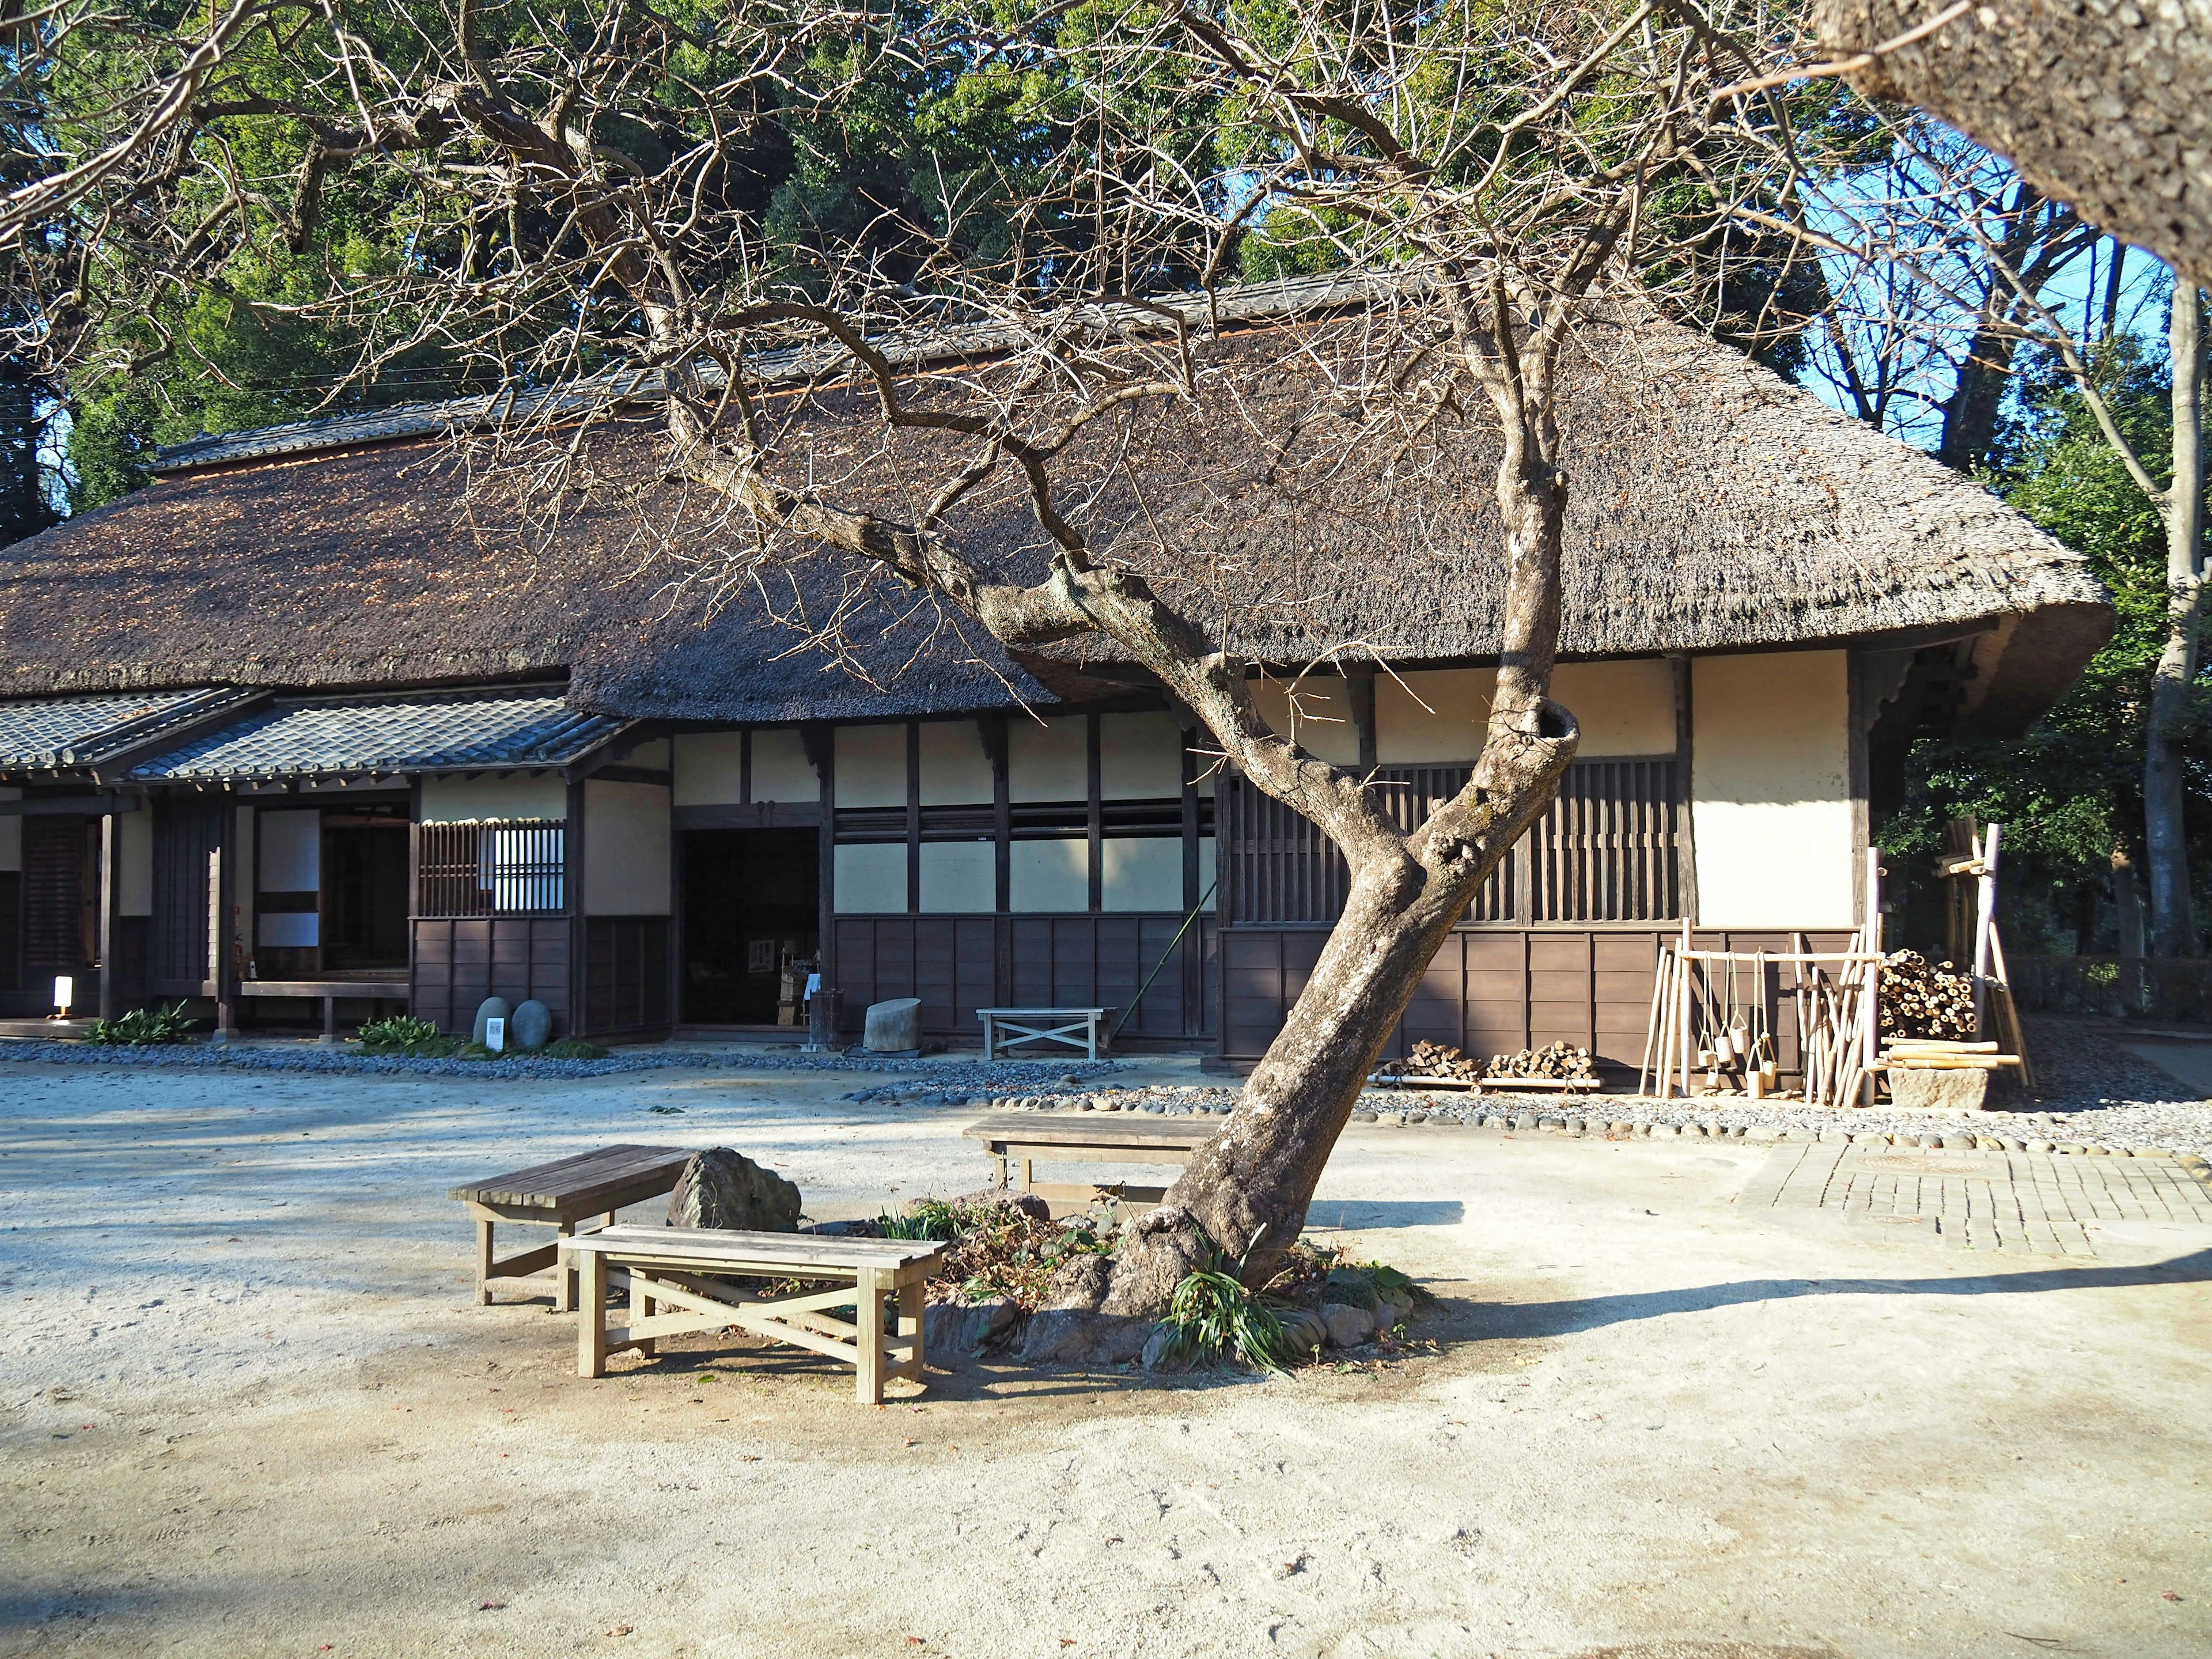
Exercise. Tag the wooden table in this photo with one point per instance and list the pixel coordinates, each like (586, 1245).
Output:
(1021, 1138)
(1042, 1026)
(668, 1268)
(559, 1195)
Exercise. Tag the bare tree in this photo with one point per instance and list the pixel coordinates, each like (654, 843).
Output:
(1498, 169)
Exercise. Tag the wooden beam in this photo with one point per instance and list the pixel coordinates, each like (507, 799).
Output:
(82, 807)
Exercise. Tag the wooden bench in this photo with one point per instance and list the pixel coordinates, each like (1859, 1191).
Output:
(560, 1195)
(1042, 1026)
(677, 1268)
(1020, 1140)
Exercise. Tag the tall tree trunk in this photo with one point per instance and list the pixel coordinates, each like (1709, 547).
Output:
(1246, 1192)
(2174, 931)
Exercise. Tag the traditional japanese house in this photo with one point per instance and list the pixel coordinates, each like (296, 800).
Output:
(312, 727)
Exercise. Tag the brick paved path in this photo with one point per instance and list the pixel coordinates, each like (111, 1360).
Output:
(2041, 1201)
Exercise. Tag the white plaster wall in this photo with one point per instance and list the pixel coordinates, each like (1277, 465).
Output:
(1769, 790)
(134, 862)
(1048, 875)
(626, 849)
(1139, 756)
(654, 754)
(871, 878)
(958, 876)
(1140, 874)
(955, 770)
(11, 834)
(1449, 728)
(781, 768)
(871, 766)
(1624, 708)
(1324, 725)
(1049, 762)
(292, 850)
(494, 795)
(709, 769)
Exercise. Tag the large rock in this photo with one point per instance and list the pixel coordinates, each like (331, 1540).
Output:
(1067, 1324)
(893, 1027)
(531, 1028)
(1961, 1089)
(490, 1009)
(1348, 1327)
(968, 1330)
(722, 1188)
(1304, 1331)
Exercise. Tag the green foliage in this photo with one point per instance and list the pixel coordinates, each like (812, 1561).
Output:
(403, 1034)
(1212, 1315)
(934, 1218)
(2069, 791)
(142, 1028)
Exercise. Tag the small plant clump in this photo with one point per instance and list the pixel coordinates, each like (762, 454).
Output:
(403, 1034)
(999, 1249)
(142, 1028)
(1214, 1315)
(571, 1048)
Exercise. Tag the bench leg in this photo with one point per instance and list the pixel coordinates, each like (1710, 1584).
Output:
(640, 1307)
(913, 1314)
(592, 1318)
(483, 1264)
(564, 1277)
(868, 1315)
(1028, 1176)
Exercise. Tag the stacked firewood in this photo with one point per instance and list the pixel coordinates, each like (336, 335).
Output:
(1920, 1000)
(1553, 1059)
(1426, 1058)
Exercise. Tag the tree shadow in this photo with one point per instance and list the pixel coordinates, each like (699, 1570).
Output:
(1479, 1318)
(1363, 1215)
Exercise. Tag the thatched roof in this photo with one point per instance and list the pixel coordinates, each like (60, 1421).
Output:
(1712, 506)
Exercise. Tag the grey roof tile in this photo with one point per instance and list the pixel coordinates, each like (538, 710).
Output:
(360, 736)
(50, 734)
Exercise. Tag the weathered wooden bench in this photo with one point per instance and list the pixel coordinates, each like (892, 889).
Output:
(1020, 1140)
(1011, 1028)
(560, 1195)
(678, 1268)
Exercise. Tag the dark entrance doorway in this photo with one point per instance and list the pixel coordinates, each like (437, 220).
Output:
(751, 925)
(364, 892)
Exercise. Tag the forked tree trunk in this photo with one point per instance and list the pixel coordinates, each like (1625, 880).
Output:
(1245, 1193)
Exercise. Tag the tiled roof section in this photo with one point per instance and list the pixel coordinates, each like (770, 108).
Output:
(1252, 302)
(51, 734)
(355, 737)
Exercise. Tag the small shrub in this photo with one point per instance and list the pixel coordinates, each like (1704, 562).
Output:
(1212, 1315)
(937, 1219)
(142, 1028)
(403, 1034)
(570, 1049)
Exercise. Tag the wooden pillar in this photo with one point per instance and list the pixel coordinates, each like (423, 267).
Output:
(1194, 890)
(821, 748)
(580, 1012)
(223, 920)
(913, 818)
(1094, 821)
(108, 990)
(1685, 844)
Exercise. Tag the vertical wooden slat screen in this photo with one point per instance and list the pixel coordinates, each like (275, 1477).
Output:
(509, 868)
(1608, 850)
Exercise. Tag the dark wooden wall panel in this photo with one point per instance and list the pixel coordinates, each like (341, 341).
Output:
(11, 930)
(54, 896)
(460, 961)
(956, 964)
(625, 975)
(186, 832)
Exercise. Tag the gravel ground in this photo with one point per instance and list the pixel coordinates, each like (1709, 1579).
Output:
(2095, 1095)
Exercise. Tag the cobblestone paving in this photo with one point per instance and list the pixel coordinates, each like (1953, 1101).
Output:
(2047, 1202)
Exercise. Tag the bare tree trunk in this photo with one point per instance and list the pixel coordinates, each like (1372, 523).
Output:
(1246, 1193)
(2174, 931)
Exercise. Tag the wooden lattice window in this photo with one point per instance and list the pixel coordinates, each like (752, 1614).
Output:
(510, 867)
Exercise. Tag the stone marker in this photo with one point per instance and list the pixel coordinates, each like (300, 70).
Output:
(722, 1188)
(531, 1026)
(1348, 1327)
(489, 1008)
(893, 1027)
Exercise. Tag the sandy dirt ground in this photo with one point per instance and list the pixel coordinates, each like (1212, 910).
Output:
(247, 1408)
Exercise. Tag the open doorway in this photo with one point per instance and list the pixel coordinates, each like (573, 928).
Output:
(751, 922)
(364, 896)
